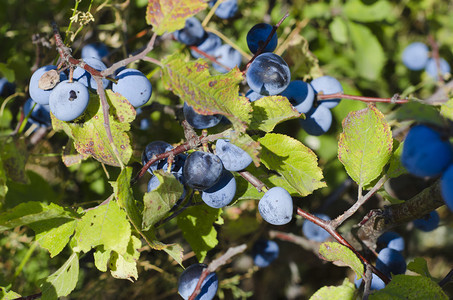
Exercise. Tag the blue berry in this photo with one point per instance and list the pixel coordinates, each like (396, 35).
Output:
(85, 78)
(415, 56)
(314, 232)
(432, 70)
(210, 43)
(68, 100)
(317, 121)
(192, 33)
(39, 95)
(226, 10)
(156, 148)
(222, 193)
(327, 85)
(188, 281)
(392, 240)
(134, 86)
(200, 121)
(227, 56)
(264, 252)
(429, 222)
(258, 34)
(95, 50)
(202, 170)
(390, 261)
(268, 74)
(425, 153)
(301, 95)
(276, 206)
(446, 185)
(376, 283)
(6, 88)
(233, 157)
(40, 114)
(253, 96)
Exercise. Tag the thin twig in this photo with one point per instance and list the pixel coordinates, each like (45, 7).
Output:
(126, 61)
(190, 144)
(210, 57)
(214, 265)
(448, 278)
(395, 99)
(347, 214)
(260, 186)
(229, 42)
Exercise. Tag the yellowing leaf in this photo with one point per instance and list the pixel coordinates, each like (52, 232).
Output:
(207, 94)
(90, 135)
(170, 15)
(366, 144)
(342, 292)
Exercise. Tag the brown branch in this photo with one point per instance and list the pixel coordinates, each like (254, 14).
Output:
(214, 265)
(327, 227)
(395, 99)
(253, 180)
(380, 220)
(436, 56)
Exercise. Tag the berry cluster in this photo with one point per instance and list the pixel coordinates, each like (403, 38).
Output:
(67, 99)
(193, 34)
(416, 57)
(269, 75)
(427, 154)
(390, 261)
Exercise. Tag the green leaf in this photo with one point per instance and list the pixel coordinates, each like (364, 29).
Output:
(369, 55)
(246, 191)
(446, 109)
(378, 11)
(396, 168)
(14, 155)
(341, 255)
(125, 198)
(170, 15)
(343, 292)
(125, 266)
(29, 212)
(53, 234)
(304, 64)
(419, 266)
(197, 227)
(410, 287)
(420, 112)
(339, 30)
(207, 94)
(90, 135)
(104, 225)
(158, 203)
(270, 111)
(63, 281)
(101, 258)
(293, 160)
(7, 72)
(365, 145)
(10, 295)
